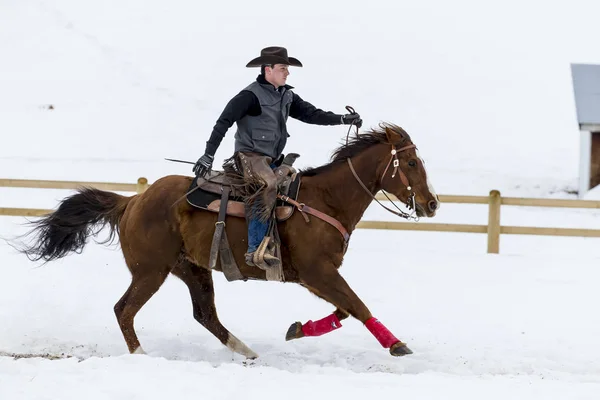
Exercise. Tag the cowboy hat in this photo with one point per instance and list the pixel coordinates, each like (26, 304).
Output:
(274, 55)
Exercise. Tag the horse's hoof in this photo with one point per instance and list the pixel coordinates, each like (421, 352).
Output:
(294, 332)
(400, 349)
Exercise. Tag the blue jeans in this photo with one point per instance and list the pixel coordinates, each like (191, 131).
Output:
(256, 232)
(257, 229)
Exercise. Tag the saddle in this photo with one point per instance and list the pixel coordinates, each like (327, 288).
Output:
(207, 193)
(217, 193)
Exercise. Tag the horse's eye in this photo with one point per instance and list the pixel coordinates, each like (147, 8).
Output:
(412, 163)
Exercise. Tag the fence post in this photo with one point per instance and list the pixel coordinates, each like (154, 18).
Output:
(494, 222)
(142, 185)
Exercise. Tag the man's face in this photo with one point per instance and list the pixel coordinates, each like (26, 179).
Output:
(277, 74)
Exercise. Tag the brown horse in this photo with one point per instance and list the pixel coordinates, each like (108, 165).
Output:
(159, 235)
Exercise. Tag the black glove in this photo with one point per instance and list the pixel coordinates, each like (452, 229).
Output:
(353, 118)
(203, 165)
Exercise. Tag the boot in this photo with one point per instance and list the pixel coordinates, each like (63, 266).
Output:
(268, 260)
(250, 259)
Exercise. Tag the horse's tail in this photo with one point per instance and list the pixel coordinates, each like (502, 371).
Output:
(79, 216)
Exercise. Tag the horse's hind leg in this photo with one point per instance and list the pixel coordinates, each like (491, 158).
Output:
(199, 282)
(144, 283)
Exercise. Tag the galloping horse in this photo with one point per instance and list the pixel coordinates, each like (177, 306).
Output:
(161, 235)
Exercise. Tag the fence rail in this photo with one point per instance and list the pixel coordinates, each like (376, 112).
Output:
(493, 229)
(139, 187)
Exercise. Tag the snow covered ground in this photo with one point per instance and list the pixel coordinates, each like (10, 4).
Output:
(485, 90)
(519, 326)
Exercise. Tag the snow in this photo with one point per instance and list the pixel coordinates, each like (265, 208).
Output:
(592, 194)
(483, 88)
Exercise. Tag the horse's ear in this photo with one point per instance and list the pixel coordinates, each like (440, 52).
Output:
(392, 136)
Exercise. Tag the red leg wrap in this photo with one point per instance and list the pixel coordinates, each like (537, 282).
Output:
(381, 333)
(322, 326)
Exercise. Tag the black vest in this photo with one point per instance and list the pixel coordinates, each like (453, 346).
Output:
(266, 133)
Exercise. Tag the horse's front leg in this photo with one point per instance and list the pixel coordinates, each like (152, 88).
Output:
(316, 328)
(328, 284)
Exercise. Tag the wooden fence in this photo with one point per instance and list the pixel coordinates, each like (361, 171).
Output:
(493, 229)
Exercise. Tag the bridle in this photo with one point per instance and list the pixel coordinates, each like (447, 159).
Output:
(410, 203)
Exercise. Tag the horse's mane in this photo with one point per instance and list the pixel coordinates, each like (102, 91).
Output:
(356, 145)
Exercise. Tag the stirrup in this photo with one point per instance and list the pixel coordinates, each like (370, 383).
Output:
(268, 260)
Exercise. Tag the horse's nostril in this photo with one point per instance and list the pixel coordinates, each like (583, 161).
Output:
(432, 205)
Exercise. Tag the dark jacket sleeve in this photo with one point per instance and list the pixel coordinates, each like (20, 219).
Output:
(244, 103)
(306, 112)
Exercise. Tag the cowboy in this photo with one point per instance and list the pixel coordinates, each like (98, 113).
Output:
(261, 111)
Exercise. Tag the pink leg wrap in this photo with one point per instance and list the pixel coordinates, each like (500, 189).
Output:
(381, 333)
(322, 326)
